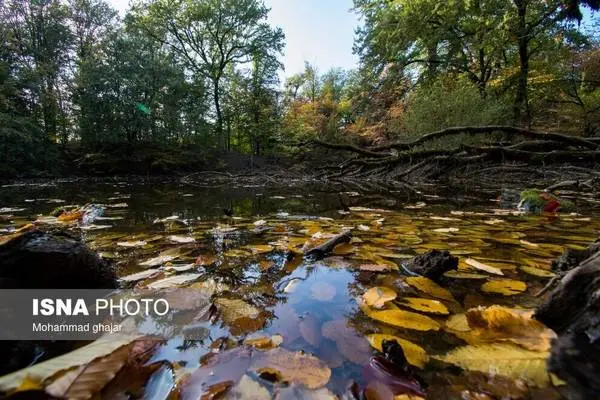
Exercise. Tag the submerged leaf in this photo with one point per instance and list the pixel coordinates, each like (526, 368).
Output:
(349, 343)
(415, 354)
(248, 389)
(240, 316)
(295, 367)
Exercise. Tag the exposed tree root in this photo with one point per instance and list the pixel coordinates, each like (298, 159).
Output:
(519, 151)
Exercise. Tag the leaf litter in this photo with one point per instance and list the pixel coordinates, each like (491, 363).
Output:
(265, 324)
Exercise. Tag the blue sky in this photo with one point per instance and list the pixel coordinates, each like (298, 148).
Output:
(318, 31)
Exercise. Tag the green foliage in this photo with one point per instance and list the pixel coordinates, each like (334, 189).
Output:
(452, 102)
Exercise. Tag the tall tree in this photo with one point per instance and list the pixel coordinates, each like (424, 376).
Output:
(210, 35)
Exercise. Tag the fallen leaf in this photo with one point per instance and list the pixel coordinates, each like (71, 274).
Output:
(446, 230)
(140, 275)
(378, 296)
(483, 267)
(159, 260)
(343, 249)
(507, 287)
(502, 359)
(458, 323)
(81, 356)
(174, 280)
(226, 366)
(260, 222)
(181, 239)
(85, 381)
(132, 243)
(294, 367)
(464, 275)
(425, 305)
(349, 342)
(240, 316)
(266, 264)
(415, 354)
(70, 216)
(497, 323)
(261, 248)
(205, 260)
(428, 286)
(322, 291)
(374, 267)
(542, 273)
(405, 319)
(301, 393)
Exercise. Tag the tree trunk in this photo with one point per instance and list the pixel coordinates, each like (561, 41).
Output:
(522, 113)
(219, 127)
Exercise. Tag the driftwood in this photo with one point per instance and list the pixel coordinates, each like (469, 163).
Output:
(322, 250)
(572, 310)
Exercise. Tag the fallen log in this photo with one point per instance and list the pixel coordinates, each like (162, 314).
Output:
(572, 310)
(322, 250)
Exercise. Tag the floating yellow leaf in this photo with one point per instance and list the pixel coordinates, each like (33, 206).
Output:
(405, 319)
(415, 354)
(428, 286)
(261, 248)
(426, 305)
(497, 323)
(502, 359)
(483, 267)
(538, 272)
(70, 216)
(464, 275)
(507, 287)
(458, 323)
(378, 296)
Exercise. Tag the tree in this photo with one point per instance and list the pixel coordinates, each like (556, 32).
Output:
(210, 35)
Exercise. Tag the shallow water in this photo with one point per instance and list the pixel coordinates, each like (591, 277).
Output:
(256, 257)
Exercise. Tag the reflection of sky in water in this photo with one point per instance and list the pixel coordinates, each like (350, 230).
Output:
(318, 292)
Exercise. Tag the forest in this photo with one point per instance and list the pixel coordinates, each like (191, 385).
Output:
(173, 84)
(423, 225)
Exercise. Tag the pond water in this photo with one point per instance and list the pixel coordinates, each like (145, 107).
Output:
(318, 314)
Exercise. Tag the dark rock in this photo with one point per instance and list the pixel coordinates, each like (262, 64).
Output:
(572, 310)
(433, 264)
(44, 260)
